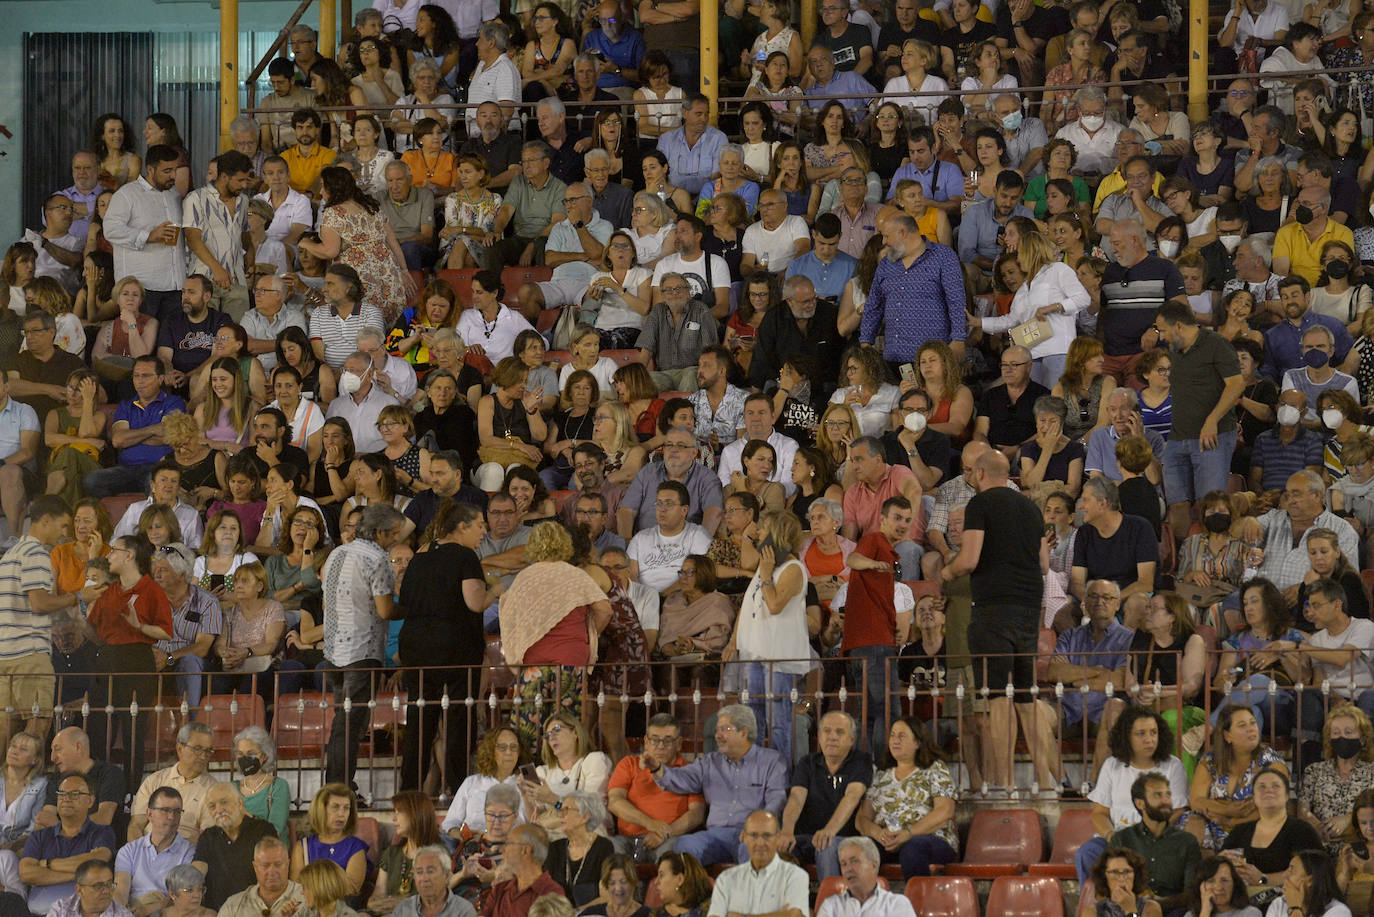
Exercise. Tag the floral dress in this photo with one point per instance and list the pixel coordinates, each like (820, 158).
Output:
(1214, 835)
(459, 211)
(1326, 795)
(1065, 108)
(624, 650)
(364, 248)
(898, 803)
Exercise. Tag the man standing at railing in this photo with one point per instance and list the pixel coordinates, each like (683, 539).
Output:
(358, 588)
(1006, 553)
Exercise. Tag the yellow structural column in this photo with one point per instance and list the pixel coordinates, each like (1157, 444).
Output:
(328, 28)
(229, 69)
(710, 55)
(1197, 61)
(809, 16)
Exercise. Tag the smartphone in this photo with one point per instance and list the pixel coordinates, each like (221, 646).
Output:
(908, 371)
(528, 772)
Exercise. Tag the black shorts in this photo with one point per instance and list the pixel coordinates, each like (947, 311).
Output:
(1002, 639)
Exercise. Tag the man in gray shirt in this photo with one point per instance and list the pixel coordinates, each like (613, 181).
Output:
(533, 204)
(430, 871)
(675, 332)
(503, 548)
(410, 210)
(358, 587)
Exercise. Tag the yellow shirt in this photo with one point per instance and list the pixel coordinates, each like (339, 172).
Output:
(1113, 182)
(1304, 257)
(305, 170)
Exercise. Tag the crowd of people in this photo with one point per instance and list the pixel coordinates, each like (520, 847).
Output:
(953, 334)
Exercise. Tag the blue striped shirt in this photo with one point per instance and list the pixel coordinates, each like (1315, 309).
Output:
(925, 302)
(24, 567)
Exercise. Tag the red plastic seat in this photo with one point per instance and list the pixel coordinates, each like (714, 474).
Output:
(160, 742)
(1026, 896)
(943, 896)
(1001, 843)
(1087, 899)
(621, 357)
(388, 715)
(461, 281)
(228, 715)
(513, 277)
(831, 885)
(1368, 577)
(300, 724)
(920, 587)
(1075, 826)
(370, 830)
(546, 320)
(119, 504)
(420, 278)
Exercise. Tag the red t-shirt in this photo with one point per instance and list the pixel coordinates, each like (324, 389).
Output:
(109, 611)
(870, 612)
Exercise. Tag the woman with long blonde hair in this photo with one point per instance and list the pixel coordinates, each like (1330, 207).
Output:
(614, 432)
(839, 427)
(1051, 292)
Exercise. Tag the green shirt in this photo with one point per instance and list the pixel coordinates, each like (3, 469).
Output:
(534, 209)
(1172, 858)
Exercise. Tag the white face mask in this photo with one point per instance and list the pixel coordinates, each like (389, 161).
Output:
(1092, 123)
(1230, 243)
(1333, 418)
(1288, 415)
(915, 422)
(350, 382)
(1168, 248)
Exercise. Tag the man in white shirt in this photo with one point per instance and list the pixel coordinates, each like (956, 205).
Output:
(863, 893)
(164, 490)
(496, 78)
(758, 424)
(1093, 135)
(777, 238)
(59, 249)
(616, 563)
(141, 224)
(391, 374)
(656, 554)
(1341, 653)
(708, 276)
(360, 402)
(767, 884)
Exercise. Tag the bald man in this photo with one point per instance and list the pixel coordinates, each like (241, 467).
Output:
(1006, 553)
(767, 884)
(84, 190)
(71, 754)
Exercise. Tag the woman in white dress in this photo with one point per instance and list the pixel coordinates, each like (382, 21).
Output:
(918, 59)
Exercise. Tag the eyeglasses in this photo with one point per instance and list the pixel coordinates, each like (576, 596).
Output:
(660, 741)
(166, 810)
(691, 446)
(666, 504)
(552, 731)
(72, 794)
(99, 886)
(202, 750)
(835, 424)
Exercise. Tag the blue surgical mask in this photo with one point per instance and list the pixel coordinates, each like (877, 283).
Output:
(1012, 121)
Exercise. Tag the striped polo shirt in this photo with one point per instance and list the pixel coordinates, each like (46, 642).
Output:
(24, 567)
(1130, 298)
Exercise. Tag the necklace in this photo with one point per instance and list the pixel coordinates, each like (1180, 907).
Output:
(568, 874)
(429, 170)
(488, 329)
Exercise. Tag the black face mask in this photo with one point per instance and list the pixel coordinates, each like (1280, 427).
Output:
(1217, 522)
(249, 765)
(1346, 747)
(1303, 214)
(1337, 270)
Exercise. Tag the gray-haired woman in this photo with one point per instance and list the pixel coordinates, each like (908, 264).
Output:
(731, 178)
(1050, 455)
(185, 891)
(265, 795)
(574, 861)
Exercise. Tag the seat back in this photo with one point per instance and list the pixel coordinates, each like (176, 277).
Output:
(370, 830)
(461, 281)
(300, 724)
(1075, 827)
(1026, 896)
(830, 885)
(228, 715)
(942, 896)
(1005, 836)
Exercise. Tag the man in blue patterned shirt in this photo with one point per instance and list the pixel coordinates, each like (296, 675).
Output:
(917, 294)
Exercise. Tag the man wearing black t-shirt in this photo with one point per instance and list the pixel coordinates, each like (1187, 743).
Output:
(850, 44)
(1115, 546)
(1023, 30)
(1006, 554)
(909, 25)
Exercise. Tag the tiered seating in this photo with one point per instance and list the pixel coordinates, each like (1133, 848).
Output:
(227, 715)
(1025, 896)
(300, 724)
(1074, 829)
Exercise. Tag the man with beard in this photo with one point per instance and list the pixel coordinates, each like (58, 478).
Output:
(619, 48)
(807, 327)
(917, 292)
(271, 447)
(185, 340)
(498, 146)
(215, 220)
(141, 225)
(1173, 854)
(446, 483)
(980, 232)
(52, 855)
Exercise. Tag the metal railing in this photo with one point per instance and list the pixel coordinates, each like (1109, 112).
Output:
(301, 715)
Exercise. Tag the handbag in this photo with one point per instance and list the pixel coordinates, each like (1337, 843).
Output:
(560, 337)
(1028, 334)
